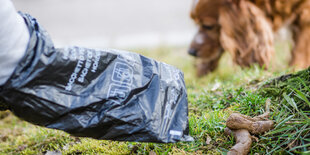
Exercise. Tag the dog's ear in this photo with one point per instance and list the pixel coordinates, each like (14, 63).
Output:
(246, 33)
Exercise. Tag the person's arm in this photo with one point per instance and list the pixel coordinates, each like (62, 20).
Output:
(14, 38)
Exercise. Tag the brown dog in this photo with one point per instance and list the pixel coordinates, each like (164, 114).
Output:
(245, 29)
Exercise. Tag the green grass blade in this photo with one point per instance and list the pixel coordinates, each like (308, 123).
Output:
(298, 147)
(290, 101)
(279, 130)
(300, 95)
(304, 84)
(284, 121)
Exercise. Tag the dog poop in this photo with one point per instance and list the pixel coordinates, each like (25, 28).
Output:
(253, 125)
(242, 126)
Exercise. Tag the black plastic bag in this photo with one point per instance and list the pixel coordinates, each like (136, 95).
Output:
(103, 94)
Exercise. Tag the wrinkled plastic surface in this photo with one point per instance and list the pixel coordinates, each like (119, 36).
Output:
(103, 94)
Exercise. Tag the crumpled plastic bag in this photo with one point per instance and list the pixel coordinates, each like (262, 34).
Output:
(103, 94)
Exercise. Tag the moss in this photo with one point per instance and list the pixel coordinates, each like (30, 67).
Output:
(286, 84)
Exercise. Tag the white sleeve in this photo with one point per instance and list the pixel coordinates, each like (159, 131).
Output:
(14, 38)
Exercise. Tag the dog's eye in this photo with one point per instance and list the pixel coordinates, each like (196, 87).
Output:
(207, 27)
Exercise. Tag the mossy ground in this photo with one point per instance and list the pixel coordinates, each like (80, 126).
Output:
(211, 100)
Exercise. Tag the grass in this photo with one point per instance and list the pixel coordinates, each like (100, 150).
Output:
(211, 100)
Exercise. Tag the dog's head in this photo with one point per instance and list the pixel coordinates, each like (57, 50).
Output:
(238, 26)
(206, 43)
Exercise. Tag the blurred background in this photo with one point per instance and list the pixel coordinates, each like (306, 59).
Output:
(118, 24)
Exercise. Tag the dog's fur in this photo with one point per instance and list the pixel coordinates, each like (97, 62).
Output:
(245, 28)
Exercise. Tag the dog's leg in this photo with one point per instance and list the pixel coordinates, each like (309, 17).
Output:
(301, 36)
(301, 51)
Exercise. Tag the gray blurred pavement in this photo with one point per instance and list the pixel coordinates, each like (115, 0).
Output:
(113, 23)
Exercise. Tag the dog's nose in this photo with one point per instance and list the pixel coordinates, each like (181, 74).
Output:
(192, 52)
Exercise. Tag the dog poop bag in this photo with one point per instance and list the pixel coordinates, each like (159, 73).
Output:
(103, 94)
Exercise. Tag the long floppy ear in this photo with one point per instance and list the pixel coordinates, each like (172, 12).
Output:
(246, 33)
